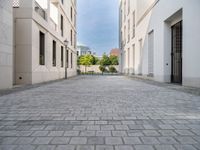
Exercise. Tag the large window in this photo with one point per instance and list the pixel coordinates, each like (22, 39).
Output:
(54, 53)
(42, 48)
(62, 1)
(61, 25)
(128, 30)
(62, 62)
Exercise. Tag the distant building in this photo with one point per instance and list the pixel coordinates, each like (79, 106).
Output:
(115, 52)
(83, 50)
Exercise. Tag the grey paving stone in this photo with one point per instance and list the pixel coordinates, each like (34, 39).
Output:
(103, 133)
(185, 147)
(104, 147)
(123, 147)
(119, 133)
(149, 140)
(113, 141)
(56, 133)
(151, 133)
(167, 140)
(60, 141)
(78, 140)
(42, 140)
(46, 147)
(24, 140)
(65, 147)
(26, 147)
(132, 140)
(71, 133)
(8, 147)
(184, 132)
(87, 133)
(85, 147)
(8, 140)
(40, 133)
(164, 147)
(186, 140)
(95, 141)
(143, 147)
(107, 127)
(167, 132)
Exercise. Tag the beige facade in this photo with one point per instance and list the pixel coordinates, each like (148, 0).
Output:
(159, 40)
(6, 44)
(41, 27)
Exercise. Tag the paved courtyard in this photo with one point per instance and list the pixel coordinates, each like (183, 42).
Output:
(100, 113)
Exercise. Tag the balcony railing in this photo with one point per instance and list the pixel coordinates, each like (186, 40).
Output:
(40, 10)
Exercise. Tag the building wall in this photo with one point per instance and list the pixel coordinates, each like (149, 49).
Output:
(159, 17)
(6, 44)
(28, 25)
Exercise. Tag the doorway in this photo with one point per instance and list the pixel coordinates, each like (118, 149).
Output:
(176, 55)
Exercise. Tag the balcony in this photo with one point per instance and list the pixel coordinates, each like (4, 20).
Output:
(40, 10)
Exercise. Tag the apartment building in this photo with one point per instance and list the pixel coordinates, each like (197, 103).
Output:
(6, 44)
(44, 40)
(159, 39)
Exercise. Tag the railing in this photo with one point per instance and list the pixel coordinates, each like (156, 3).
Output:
(40, 10)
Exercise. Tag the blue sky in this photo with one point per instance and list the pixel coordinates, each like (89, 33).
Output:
(97, 24)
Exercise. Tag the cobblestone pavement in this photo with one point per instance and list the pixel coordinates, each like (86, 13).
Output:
(100, 113)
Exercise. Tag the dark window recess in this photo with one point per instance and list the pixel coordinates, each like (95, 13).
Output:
(62, 63)
(71, 60)
(61, 25)
(42, 49)
(71, 14)
(71, 37)
(62, 1)
(54, 53)
(67, 58)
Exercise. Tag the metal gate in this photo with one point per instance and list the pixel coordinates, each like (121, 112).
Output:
(176, 55)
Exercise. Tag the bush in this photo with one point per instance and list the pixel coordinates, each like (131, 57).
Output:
(102, 69)
(112, 69)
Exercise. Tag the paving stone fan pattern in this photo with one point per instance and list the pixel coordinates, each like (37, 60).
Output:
(99, 113)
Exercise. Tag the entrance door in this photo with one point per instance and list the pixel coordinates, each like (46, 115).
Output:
(176, 76)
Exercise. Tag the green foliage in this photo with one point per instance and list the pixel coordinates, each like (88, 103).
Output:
(102, 69)
(112, 69)
(114, 60)
(86, 60)
(105, 61)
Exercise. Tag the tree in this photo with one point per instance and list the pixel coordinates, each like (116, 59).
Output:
(86, 61)
(112, 69)
(114, 60)
(102, 69)
(105, 61)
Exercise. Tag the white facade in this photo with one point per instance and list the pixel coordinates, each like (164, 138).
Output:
(41, 27)
(6, 44)
(146, 39)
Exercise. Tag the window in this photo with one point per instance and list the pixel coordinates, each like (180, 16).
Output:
(67, 58)
(71, 38)
(16, 3)
(62, 1)
(124, 10)
(62, 62)
(74, 40)
(128, 6)
(71, 60)
(54, 53)
(71, 14)
(42, 49)
(128, 30)
(133, 24)
(61, 25)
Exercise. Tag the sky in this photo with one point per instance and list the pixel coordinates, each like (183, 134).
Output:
(97, 24)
